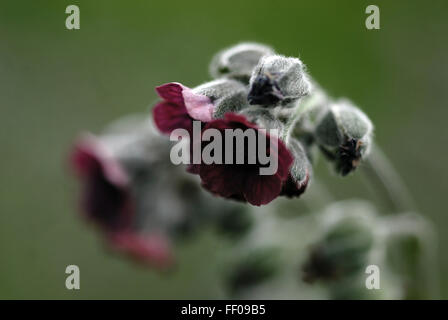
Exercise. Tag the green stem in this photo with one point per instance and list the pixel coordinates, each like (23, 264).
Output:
(318, 196)
(381, 173)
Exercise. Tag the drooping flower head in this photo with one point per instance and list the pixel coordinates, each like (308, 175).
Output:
(244, 181)
(120, 172)
(108, 200)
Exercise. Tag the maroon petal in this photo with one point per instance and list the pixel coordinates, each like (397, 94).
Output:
(193, 168)
(260, 190)
(89, 155)
(234, 119)
(105, 196)
(197, 106)
(169, 116)
(171, 92)
(243, 181)
(231, 121)
(221, 179)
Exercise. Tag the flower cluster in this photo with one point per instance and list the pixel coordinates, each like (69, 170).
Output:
(143, 205)
(256, 89)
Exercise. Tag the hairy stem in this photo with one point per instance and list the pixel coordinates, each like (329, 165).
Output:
(383, 175)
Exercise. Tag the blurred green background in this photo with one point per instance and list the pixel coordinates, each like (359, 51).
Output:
(55, 83)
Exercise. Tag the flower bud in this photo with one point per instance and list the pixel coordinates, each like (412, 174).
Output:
(300, 172)
(238, 62)
(225, 94)
(344, 249)
(278, 80)
(256, 267)
(344, 134)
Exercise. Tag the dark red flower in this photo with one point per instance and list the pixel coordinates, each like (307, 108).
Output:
(244, 181)
(107, 202)
(105, 197)
(180, 107)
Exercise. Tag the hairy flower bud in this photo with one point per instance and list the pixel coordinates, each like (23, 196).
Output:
(344, 248)
(344, 134)
(254, 268)
(225, 94)
(300, 172)
(278, 80)
(238, 61)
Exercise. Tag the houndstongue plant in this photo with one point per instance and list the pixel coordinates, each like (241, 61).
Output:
(144, 205)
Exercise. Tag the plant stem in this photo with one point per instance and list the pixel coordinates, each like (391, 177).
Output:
(318, 196)
(381, 172)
